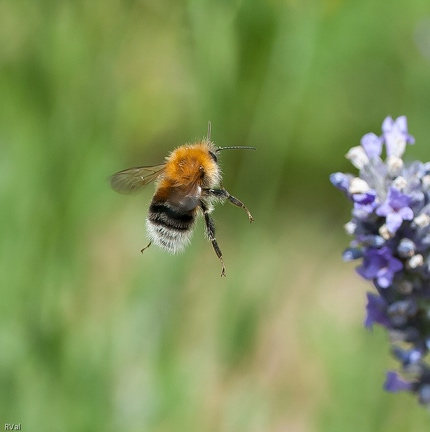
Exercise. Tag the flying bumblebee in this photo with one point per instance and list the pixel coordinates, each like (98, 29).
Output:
(187, 183)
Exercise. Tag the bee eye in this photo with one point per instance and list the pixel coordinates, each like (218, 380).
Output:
(213, 156)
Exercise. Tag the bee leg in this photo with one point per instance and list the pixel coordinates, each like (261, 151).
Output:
(210, 231)
(146, 247)
(223, 194)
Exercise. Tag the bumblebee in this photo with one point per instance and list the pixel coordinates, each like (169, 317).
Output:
(188, 183)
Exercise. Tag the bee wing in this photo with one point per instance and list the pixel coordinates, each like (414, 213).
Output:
(132, 179)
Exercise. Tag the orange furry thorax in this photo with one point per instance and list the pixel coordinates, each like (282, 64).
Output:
(191, 163)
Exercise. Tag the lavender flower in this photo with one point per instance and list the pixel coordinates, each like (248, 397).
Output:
(391, 229)
(396, 209)
(380, 266)
(376, 311)
(394, 383)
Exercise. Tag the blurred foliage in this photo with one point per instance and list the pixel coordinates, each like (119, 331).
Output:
(95, 336)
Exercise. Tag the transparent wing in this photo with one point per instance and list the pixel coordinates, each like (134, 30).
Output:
(132, 179)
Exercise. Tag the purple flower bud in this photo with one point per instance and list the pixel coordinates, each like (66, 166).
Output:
(424, 394)
(406, 248)
(364, 203)
(351, 254)
(372, 145)
(375, 241)
(395, 135)
(407, 357)
(401, 311)
(341, 181)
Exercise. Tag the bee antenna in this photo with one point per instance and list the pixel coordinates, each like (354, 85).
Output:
(235, 147)
(209, 130)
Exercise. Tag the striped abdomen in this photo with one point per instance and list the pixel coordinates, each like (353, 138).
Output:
(170, 227)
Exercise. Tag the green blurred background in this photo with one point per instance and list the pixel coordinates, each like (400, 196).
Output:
(95, 336)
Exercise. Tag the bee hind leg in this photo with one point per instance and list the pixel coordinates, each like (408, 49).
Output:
(223, 194)
(210, 231)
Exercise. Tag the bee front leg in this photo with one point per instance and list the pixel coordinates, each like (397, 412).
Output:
(210, 231)
(223, 194)
(146, 247)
